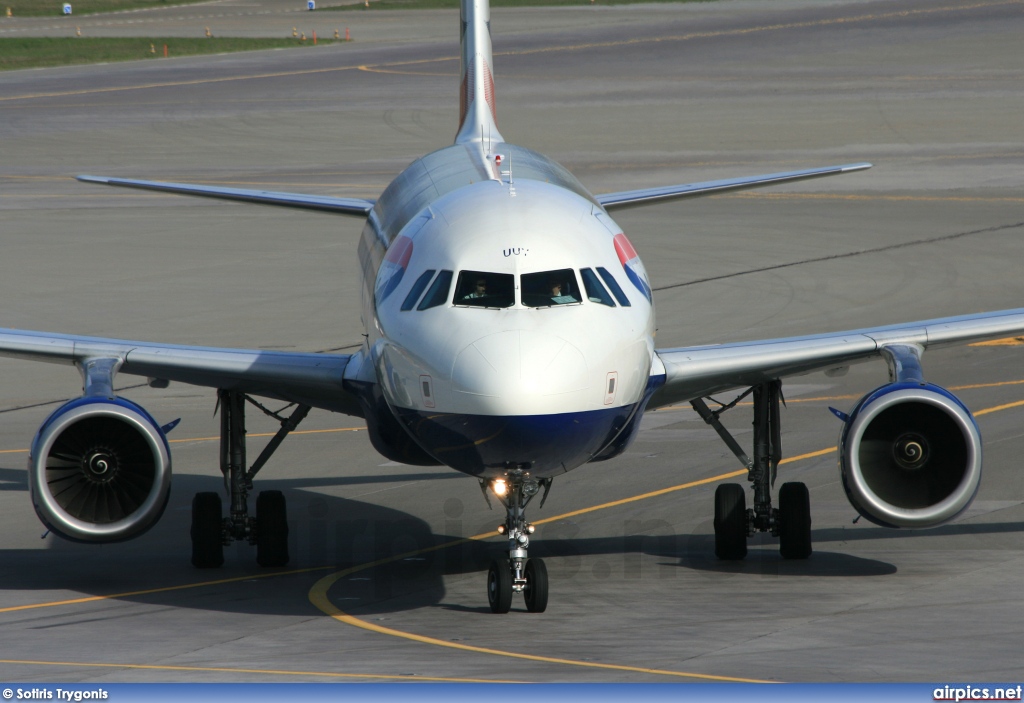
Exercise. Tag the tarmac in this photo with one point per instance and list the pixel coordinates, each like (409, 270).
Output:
(380, 586)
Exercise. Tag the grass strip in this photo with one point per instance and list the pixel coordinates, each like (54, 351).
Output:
(44, 8)
(54, 8)
(454, 4)
(36, 52)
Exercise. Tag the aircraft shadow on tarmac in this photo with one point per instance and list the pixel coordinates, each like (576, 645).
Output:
(328, 534)
(13, 480)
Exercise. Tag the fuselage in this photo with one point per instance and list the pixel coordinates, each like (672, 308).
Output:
(509, 321)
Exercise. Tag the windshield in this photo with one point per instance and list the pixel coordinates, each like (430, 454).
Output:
(550, 288)
(485, 290)
(596, 293)
(438, 293)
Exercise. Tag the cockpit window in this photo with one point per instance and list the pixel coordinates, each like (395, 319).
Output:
(417, 290)
(617, 291)
(596, 293)
(438, 293)
(550, 288)
(485, 290)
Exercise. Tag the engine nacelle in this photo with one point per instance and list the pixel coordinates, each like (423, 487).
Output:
(99, 470)
(910, 456)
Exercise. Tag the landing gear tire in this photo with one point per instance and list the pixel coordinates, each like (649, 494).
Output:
(536, 591)
(271, 529)
(499, 586)
(794, 521)
(207, 531)
(730, 522)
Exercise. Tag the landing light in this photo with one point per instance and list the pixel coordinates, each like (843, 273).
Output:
(499, 486)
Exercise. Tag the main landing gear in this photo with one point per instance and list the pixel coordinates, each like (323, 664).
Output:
(517, 573)
(268, 530)
(734, 522)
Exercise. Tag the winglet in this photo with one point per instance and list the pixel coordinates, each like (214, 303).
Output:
(477, 114)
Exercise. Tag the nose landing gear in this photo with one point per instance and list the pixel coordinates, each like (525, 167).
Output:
(517, 573)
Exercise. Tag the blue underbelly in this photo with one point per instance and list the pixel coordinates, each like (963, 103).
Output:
(487, 445)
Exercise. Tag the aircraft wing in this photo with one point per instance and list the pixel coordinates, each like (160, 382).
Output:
(634, 198)
(358, 207)
(304, 378)
(694, 372)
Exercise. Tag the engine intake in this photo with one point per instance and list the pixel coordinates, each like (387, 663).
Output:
(99, 470)
(910, 456)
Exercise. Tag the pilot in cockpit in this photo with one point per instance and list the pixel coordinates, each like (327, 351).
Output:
(555, 287)
(479, 291)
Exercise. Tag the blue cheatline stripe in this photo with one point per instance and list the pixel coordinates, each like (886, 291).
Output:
(548, 444)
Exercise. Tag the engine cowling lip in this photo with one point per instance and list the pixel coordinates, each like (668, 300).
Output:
(53, 515)
(865, 500)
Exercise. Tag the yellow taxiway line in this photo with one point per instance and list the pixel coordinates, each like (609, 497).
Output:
(318, 594)
(269, 672)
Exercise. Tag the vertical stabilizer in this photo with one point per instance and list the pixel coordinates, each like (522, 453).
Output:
(477, 116)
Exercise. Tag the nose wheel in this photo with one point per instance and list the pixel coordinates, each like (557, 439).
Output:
(533, 586)
(535, 593)
(499, 586)
(517, 573)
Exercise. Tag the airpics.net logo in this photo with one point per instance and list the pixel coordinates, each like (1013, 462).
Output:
(977, 693)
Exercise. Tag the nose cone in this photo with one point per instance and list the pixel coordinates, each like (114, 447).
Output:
(519, 372)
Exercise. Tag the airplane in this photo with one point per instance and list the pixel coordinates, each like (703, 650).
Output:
(509, 335)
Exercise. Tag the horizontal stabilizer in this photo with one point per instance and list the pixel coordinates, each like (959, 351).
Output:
(635, 198)
(324, 203)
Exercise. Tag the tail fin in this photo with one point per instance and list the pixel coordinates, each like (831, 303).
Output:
(477, 116)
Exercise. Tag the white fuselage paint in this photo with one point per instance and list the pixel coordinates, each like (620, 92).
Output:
(565, 360)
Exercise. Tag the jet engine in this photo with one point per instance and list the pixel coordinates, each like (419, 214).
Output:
(910, 456)
(99, 470)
